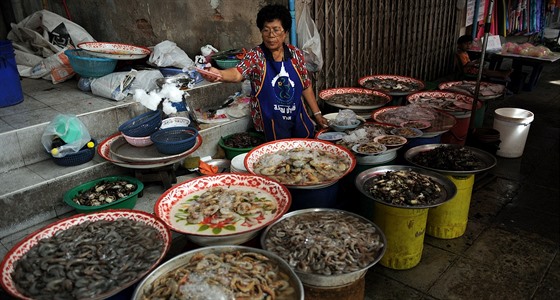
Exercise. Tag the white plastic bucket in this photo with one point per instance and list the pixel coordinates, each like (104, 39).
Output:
(513, 125)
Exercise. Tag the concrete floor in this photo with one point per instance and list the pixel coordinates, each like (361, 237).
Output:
(511, 246)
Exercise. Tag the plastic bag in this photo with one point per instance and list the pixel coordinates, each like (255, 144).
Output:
(70, 129)
(346, 117)
(39, 42)
(167, 54)
(309, 40)
(114, 86)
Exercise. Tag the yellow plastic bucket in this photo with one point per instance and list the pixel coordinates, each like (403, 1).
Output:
(449, 220)
(404, 229)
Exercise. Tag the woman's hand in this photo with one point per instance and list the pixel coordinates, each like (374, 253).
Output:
(322, 121)
(212, 74)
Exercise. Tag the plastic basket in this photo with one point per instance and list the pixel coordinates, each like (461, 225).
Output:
(142, 125)
(232, 152)
(126, 202)
(174, 140)
(78, 158)
(88, 65)
(226, 63)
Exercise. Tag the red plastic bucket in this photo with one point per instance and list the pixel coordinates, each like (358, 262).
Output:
(10, 86)
(458, 133)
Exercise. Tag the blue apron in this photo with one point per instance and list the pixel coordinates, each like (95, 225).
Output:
(281, 103)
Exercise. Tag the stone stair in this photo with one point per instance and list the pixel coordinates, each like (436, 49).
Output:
(32, 185)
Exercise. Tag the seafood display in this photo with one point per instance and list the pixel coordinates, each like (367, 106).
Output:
(416, 124)
(390, 140)
(440, 121)
(243, 140)
(357, 99)
(449, 158)
(88, 260)
(487, 90)
(369, 148)
(448, 101)
(228, 205)
(325, 242)
(354, 98)
(407, 132)
(105, 192)
(231, 274)
(363, 134)
(302, 166)
(404, 187)
(392, 84)
(223, 209)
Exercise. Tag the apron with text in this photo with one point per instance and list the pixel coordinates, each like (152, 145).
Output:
(281, 105)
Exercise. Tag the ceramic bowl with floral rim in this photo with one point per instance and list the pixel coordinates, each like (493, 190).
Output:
(321, 154)
(354, 98)
(394, 85)
(115, 50)
(443, 100)
(23, 247)
(223, 209)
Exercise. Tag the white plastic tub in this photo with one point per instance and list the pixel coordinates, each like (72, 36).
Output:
(513, 125)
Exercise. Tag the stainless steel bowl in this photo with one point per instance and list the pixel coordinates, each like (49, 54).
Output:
(447, 186)
(486, 158)
(184, 258)
(320, 280)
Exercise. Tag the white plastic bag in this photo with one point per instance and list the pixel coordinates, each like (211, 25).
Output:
(309, 40)
(70, 129)
(40, 40)
(167, 54)
(114, 86)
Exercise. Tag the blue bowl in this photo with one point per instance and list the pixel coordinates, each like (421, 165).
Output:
(174, 140)
(142, 125)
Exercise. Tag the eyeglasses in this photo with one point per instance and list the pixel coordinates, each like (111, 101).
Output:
(272, 32)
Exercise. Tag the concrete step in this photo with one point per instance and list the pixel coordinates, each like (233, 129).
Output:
(32, 185)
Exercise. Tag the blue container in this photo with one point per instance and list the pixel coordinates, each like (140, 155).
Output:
(325, 197)
(10, 86)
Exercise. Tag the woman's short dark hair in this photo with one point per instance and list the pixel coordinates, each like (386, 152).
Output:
(467, 38)
(272, 12)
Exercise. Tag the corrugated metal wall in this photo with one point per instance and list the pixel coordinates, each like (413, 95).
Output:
(402, 37)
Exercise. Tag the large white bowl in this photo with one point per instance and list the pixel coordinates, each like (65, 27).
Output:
(175, 122)
(286, 144)
(228, 233)
(19, 250)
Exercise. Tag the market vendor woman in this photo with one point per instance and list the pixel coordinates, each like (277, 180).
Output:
(278, 79)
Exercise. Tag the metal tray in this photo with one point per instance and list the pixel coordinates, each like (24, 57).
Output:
(448, 187)
(104, 148)
(124, 151)
(488, 159)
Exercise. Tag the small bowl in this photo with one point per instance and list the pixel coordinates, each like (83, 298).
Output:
(377, 148)
(390, 140)
(407, 132)
(175, 122)
(138, 141)
(237, 164)
(419, 124)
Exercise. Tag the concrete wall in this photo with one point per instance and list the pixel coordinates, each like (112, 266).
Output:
(225, 24)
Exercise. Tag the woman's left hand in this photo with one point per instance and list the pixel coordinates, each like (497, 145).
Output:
(322, 121)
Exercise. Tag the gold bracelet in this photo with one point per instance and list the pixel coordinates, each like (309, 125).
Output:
(317, 113)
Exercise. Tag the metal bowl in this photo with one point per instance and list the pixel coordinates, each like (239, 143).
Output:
(184, 258)
(488, 159)
(228, 232)
(320, 280)
(447, 186)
